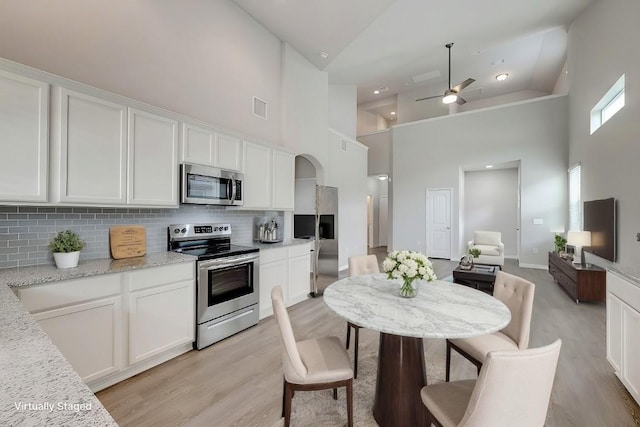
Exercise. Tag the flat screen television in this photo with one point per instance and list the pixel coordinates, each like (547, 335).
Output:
(600, 220)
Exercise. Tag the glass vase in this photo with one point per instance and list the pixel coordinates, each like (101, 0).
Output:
(409, 288)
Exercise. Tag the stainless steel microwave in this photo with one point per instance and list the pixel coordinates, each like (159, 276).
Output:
(205, 185)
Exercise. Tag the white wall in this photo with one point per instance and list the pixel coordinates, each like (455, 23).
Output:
(377, 189)
(379, 144)
(204, 59)
(305, 93)
(348, 172)
(343, 111)
(409, 110)
(491, 203)
(603, 44)
(500, 100)
(431, 153)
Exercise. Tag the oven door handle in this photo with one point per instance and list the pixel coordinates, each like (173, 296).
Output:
(228, 261)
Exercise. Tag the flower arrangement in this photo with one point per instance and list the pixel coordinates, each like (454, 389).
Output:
(408, 266)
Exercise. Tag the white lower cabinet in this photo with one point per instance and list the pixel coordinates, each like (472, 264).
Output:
(96, 321)
(623, 329)
(288, 267)
(160, 316)
(89, 335)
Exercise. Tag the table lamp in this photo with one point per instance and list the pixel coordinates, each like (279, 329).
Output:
(579, 239)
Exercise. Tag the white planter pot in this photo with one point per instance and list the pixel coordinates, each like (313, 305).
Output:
(66, 259)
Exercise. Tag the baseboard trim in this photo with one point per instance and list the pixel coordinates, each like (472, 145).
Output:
(536, 266)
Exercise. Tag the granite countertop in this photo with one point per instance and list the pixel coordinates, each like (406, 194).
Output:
(283, 244)
(33, 275)
(39, 386)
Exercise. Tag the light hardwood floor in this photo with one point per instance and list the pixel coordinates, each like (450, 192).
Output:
(238, 382)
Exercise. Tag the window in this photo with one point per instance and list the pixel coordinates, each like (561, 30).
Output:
(608, 106)
(575, 201)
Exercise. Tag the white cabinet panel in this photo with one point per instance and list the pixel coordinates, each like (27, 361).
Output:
(89, 335)
(160, 318)
(198, 145)
(228, 152)
(631, 350)
(153, 160)
(271, 275)
(299, 277)
(93, 141)
(283, 180)
(614, 331)
(24, 138)
(257, 176)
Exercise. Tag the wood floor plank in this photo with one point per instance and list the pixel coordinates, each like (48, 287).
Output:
(238, 382)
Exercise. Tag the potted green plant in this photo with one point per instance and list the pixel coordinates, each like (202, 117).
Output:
(560, 242)
(66, 248)
(474, 252)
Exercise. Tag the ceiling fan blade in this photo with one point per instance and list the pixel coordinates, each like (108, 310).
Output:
(429, 97)
(462, 85)
(460, 100)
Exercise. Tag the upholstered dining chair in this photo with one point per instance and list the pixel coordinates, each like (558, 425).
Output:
(358, 266)
(517, 294)
(513, 389)
(314, 364)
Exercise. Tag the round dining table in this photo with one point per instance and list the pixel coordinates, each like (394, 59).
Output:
(440, 310)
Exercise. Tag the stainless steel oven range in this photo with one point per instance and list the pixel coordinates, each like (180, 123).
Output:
(227, 280)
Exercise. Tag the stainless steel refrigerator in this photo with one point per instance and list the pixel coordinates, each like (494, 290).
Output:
(322, 226)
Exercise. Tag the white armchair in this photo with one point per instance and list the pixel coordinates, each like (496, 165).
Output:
(490, 245)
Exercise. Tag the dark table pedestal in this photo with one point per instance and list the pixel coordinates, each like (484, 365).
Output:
(401, 376)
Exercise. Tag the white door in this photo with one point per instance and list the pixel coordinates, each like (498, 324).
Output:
(439, 223)
(257, 176)
(284, 175)
(369, 222)
(383, 216)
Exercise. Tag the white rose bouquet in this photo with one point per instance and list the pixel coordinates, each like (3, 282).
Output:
(408, 266)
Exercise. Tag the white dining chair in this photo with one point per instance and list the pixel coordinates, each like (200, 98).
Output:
(517, 294)
(513, 389)
(314, 364)
(359, 265)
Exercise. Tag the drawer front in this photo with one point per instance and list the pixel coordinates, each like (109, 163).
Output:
(273, 255)
(155, 276)
(60, 294)
(568, 284)
(299, 250)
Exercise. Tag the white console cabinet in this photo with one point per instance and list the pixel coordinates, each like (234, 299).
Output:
(24, 138)
(113, 326)
(623, 329)
(288, 267)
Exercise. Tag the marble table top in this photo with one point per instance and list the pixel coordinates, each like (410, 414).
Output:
(440, 310)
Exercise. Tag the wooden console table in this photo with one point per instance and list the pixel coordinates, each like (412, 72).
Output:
(581, 283)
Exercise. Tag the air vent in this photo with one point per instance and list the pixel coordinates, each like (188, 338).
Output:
(426, 76)
(259, 108)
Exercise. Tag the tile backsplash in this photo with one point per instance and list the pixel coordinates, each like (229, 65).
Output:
(25, 231)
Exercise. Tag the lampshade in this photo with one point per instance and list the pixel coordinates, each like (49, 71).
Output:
(579, 238)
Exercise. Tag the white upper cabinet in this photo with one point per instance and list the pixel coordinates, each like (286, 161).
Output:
(153, 160)
(228, 152)
(257, 176)
(24, 131)
(269, 178)
(283, 180)
(198, 145)
(92, 150)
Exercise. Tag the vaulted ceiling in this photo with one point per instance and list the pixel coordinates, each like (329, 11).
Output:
(399, 44)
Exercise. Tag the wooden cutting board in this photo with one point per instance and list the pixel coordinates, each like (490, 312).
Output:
(128, 241)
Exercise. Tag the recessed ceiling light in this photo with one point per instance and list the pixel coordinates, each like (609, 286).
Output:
(383, 177)
(393, 113)
(324, 55)
(375, 92)
(488, 166)
(502, 77)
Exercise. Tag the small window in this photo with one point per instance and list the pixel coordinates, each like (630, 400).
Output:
(608, 106)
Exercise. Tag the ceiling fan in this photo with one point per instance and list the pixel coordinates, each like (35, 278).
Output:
(452, 94)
